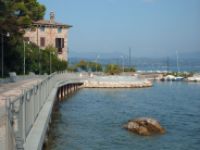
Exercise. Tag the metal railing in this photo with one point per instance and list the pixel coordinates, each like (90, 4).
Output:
(10, 135)
(23, 110)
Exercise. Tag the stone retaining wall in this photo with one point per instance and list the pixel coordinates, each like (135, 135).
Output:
(120, 84)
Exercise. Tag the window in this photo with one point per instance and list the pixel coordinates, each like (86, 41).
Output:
(59, 30)
(42, 28)
(42, 42)
(59, 42)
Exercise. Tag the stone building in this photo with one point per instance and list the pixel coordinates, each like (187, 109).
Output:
(50, 33)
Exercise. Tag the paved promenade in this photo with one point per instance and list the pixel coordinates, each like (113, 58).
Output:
(15, 89)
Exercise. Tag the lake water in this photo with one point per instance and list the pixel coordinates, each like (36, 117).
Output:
(92, 119)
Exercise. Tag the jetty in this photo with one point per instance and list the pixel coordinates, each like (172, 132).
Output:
(26, 105)
(116, 82)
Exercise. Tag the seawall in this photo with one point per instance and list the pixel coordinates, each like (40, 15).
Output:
(37, 135)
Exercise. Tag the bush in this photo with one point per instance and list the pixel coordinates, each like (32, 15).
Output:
(88, 66)
(132, 69)
(113, 69)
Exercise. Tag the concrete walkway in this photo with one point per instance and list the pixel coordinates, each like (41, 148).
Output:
(15, 89)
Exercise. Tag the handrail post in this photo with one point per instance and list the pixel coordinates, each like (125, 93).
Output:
(24, 116)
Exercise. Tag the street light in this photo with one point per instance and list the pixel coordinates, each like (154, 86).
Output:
(39, 62)
(2, 52)
(25, 55)
(122, 63)
(97, 61)
(50, 63)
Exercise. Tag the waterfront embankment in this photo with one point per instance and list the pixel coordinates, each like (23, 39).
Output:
(29, 108)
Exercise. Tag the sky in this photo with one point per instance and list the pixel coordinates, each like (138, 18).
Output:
(150, 28)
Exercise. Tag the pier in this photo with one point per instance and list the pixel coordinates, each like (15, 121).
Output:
(26, 106)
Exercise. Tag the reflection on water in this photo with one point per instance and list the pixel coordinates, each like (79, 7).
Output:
(92, 119)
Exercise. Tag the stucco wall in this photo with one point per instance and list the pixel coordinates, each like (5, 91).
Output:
(50, 34)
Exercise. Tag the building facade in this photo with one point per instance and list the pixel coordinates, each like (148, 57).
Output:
(47, 33)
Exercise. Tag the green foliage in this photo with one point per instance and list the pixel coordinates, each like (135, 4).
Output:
(132, 69)
(88, 66)
(58, 65)
(72, 69)
(13, 56)
(113, 69)
(49, 57)
(82, 65)
(14, 59)
(93, 66)
(32, 61)
(15, 16)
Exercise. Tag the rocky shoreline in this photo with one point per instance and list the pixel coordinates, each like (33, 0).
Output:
(116, 82)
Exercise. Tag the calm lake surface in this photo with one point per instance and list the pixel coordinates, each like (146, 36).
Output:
(92, 119)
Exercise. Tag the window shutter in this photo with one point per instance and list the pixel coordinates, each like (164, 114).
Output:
(42, 42)
(63, 43)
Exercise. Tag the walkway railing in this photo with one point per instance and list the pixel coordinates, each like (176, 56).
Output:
(23, 110)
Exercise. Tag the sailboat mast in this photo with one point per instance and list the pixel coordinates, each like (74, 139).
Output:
(129, 57)
(177, 61)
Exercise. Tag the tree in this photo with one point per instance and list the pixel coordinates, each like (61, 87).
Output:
(93, 66)
(88, 66)
(131, 69)
(113, 69)
(56, 63)
(15, 16)
(83, 65)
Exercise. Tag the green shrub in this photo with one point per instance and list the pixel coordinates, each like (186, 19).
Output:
(113, 69)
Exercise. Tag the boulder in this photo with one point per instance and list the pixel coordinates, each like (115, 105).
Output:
(144, 126)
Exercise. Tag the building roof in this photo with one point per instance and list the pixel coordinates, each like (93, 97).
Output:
(49, 23)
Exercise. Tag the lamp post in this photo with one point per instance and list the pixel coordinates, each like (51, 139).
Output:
(25, 56)
(2, 52)
(50, 62)
(39, 62)
(97, 62)
(122, 63)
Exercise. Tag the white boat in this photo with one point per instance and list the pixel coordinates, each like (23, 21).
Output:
(179, 78)
(172, 78)
(194, 78)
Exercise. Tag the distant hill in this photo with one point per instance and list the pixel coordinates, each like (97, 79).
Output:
(189, 63)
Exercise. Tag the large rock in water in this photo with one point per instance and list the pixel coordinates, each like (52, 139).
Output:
(145, 126)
